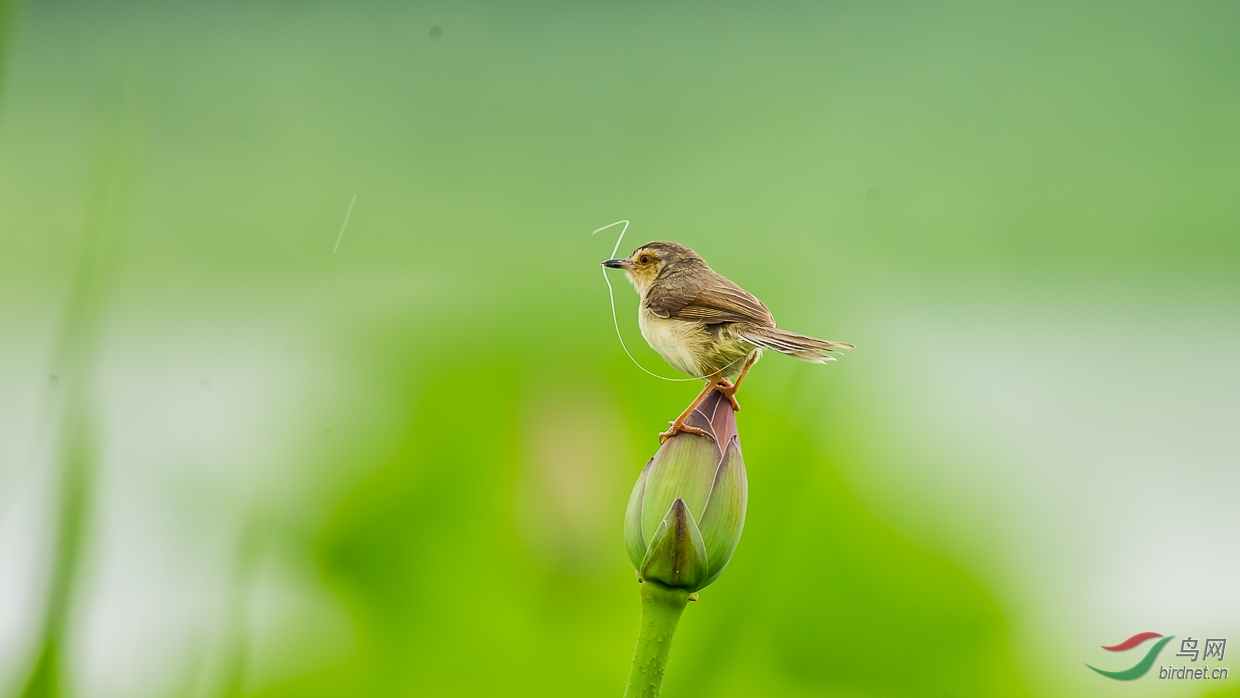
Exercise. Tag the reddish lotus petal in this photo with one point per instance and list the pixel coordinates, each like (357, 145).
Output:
(1131, 642)
(716, 411)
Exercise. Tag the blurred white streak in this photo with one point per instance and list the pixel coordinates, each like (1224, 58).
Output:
(345, 223)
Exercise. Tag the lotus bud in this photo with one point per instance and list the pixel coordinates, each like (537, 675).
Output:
(687, 509)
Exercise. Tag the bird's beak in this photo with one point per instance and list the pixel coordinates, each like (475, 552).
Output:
(618, 264)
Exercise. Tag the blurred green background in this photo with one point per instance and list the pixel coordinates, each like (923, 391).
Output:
(235, 463)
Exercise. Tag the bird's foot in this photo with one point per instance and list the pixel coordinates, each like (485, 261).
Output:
(728, 388)
(679, 426)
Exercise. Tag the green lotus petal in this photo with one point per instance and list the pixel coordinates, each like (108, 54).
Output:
(725, 512)
(677, 555)
(634, 542)
(683, 468)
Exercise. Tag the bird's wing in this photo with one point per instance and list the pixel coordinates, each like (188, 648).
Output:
(718, 300)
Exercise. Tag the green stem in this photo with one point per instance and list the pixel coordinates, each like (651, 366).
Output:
(661, 609)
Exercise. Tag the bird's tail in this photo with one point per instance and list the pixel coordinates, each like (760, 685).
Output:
(799, 346)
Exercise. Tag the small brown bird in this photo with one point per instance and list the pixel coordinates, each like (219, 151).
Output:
(704, 325)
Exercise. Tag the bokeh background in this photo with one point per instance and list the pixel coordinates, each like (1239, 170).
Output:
(235, 463)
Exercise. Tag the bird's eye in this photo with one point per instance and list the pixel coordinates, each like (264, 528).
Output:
(644, 259)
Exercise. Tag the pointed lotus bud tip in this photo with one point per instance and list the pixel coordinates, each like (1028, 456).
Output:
(677, 554)
(687, 509)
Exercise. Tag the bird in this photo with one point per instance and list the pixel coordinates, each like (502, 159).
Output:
(706, 326)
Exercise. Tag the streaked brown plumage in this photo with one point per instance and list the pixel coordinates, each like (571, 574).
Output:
(703, 324)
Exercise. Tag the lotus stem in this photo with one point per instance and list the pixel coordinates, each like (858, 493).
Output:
(661, 609)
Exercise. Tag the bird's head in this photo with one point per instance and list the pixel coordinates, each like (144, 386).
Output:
(652, 260)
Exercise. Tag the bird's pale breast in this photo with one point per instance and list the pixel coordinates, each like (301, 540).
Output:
(679, 343)
(693, 348)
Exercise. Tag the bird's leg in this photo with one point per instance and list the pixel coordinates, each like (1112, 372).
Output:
(728, 388)
(679, 425)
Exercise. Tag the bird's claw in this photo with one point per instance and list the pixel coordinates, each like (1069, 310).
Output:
(679, 426)
(728, 388)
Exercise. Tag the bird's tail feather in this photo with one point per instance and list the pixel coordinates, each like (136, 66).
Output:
(798, 346)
